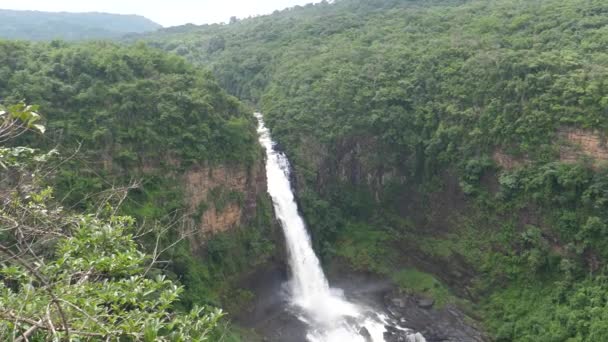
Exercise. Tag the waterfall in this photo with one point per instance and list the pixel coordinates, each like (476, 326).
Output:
(330, 317)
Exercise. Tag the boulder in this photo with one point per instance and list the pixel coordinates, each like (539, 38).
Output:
(425, 303)
(366, 335)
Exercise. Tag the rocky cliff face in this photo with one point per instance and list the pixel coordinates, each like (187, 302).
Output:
(580, 143)
(574, 145)
(219, 198)
(216, 198)
(356, 161)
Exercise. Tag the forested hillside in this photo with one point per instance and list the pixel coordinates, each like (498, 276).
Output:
(135, 102)
(128, 131)
(463, 141)
(457, 148)
(35, 25)
(76, 275)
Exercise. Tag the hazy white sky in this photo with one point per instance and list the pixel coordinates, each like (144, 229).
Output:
(165, 12)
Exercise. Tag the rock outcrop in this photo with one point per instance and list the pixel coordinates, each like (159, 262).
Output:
(575, 144)
(219, 198)
(448, 323)
(356, 161)
(580, 143)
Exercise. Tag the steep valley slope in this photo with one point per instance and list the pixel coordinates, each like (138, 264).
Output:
(449, 156)
(457, 148)
(149, 134)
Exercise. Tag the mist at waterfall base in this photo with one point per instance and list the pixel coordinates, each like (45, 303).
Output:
(329, 316)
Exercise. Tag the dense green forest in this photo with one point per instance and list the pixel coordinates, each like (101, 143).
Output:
(122, 125)
(77, 276)
(470, 134)
(135, 102)
(35, 25)
(458, 148)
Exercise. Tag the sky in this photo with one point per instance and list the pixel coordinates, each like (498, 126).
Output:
(164, 12)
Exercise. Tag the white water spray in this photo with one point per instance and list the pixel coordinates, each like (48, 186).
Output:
(331, 318)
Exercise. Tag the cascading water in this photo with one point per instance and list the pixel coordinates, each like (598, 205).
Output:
(329, 315)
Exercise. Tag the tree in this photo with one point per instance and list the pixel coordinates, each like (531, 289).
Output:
(81, 276)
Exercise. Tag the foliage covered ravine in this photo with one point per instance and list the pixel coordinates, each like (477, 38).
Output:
(458, 147)
(104, 232)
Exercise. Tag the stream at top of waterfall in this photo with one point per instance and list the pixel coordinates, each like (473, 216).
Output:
(326, 313)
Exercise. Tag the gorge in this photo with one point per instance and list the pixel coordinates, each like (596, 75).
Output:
(438, 170)
(330, 316)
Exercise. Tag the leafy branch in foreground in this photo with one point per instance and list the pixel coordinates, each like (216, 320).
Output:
(18, 119)
(75, 276)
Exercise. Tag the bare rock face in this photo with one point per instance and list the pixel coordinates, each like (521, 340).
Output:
(580, 143)
(425, 303)
(356, 161)
(240, 187)
(200, 181)
(575, 144)
(215, 220)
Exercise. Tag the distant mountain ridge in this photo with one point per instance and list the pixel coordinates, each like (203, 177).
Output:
(35, 25)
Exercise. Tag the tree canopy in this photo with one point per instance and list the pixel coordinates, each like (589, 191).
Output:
(381, 104)
(129, 103)
(76, 276)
